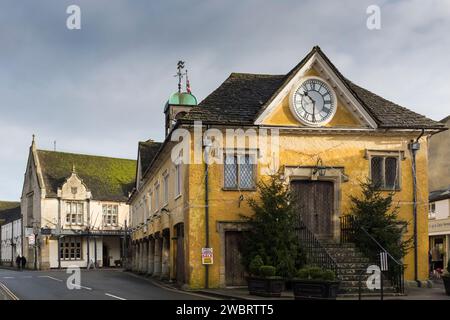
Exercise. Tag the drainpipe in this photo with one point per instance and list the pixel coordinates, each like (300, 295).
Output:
(207, 148)
(414, 146)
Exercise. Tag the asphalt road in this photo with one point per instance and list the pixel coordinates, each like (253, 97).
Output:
(94, 285)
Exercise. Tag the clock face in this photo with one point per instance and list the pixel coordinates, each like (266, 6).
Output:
(313, 102)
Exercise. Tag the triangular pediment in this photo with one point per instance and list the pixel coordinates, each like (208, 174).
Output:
(348, 112)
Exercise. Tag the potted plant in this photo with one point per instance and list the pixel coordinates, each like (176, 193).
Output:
(263, 280)
(446, 279)
(315, 283)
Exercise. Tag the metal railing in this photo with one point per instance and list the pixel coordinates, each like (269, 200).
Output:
(395, 273)
(316, 254)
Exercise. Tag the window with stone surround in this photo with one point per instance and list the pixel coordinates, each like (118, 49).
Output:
(239, 172)
(385, 169)
(110, 214)
(70, 248)
(74, 212)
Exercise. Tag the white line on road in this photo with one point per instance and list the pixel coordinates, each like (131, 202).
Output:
(50, 278)
(9, 277)
(78, 286)
(113, 296)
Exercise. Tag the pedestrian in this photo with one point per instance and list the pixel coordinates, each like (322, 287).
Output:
(23, 262)
(18, 261)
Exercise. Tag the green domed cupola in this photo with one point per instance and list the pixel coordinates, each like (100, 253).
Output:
(179, 103)
(182, 98)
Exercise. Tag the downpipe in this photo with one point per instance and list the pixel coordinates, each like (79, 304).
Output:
(414, 147)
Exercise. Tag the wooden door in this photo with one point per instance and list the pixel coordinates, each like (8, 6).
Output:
(315, 204)
(179, 267)
(234, 270)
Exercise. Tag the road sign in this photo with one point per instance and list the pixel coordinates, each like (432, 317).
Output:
(207, 256)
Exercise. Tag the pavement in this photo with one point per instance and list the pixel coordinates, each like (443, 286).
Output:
(94, 285)
(436, 292)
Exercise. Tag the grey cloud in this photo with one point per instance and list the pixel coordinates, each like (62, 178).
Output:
(101, 89)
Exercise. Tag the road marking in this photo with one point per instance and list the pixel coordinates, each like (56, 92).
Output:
(50, 278)
(9, 277)
(8, 292)
(27, 277)
(113, 296)
(78, 286)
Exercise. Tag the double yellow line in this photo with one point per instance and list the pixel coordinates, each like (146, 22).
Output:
(8, 292)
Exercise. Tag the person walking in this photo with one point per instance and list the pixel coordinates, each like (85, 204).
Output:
(18, 261)
(23, 262)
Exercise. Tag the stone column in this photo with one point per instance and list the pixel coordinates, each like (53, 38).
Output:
(133, 257)
(144, 256)
(157, 257)
(138, 256)
(151, 256)
(165, 256)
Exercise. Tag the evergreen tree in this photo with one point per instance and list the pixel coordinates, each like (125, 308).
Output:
(272, 234)
(376, 214)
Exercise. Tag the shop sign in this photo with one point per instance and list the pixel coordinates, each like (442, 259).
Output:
(439, 226)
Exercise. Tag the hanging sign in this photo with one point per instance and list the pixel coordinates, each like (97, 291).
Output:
(207, 256)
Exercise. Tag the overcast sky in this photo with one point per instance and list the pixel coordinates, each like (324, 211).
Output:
(101, 89)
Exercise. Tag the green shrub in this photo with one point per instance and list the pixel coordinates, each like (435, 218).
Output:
(272, 234)
(316, 273)
(255, 265)
(267, 271)
(328, 275)
(448, 266)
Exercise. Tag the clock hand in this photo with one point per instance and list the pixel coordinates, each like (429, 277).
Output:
(314, 111)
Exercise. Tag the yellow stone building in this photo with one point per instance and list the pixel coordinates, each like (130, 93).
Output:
(324, 134)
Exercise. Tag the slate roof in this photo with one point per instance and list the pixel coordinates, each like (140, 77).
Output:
(108, 179)
(439, 195)
(242, 97)
(147, 151)
(9, 211)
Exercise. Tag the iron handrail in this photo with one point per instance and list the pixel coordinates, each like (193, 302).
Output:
(380, 246)
(350, 224)
(315, 252)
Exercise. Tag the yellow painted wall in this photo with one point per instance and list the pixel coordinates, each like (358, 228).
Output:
(301, 150)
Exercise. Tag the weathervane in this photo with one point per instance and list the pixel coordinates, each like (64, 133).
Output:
(180, 74)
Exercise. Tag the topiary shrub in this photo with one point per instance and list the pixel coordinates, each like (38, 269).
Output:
(267, 271)
(328, 275)
(255, 265)
(316, 273)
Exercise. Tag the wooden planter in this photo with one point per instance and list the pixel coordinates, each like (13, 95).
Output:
(446, 279)
(265, 287)
(315, 289)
